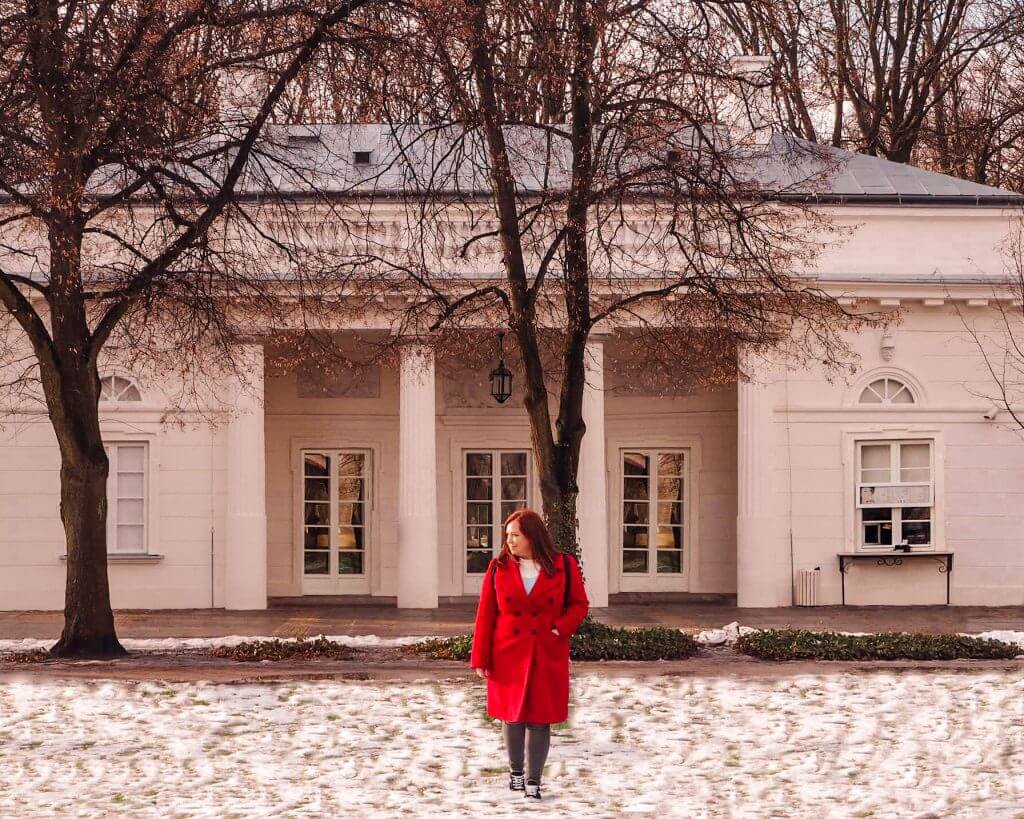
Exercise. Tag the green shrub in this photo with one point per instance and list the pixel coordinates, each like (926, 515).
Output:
(593, 641)
(796, 644)
(302, 649)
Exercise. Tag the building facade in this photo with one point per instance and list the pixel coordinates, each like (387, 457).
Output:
(393, 485)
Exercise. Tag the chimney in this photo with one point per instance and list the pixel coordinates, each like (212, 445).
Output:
(748, 109)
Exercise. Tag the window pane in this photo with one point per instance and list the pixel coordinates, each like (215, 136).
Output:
(670, 489)
(670, 537)
(917, 533)
(318, 514)
(635, 488)
(635, 512)
(670, 513)
(870, 395)
(479, 513)
(878, 513)
(350, 562)
(130, 485)
(478, 537)
(902, 395)
(875, 457)
(317, 465)
(513, 463)
(351, 464)
(351, 489)
(878, 534)
(633, 463)
(634, 562)
(670, 463)
(508, 507)
(317, 538)
(670, 562)
(476, 562)
(351, 514)
(129, 511)
(914, 455)
(131, 458)
(478, 489)
(634, 537)
(917, 513)
(915, 475)
(513, 488)
(318, 489)
(315, 562)
(130, 539)
(351, 537)
(478, 463)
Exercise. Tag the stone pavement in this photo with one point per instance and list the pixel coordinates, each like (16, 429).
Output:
(388, 621)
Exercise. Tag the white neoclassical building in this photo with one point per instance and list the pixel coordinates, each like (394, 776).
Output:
(897, 486)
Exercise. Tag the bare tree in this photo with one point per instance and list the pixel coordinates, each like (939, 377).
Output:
(574, 145)
(894, 65)
(132, 136)
(999, 337)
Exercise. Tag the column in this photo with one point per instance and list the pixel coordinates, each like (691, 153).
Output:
(592, 503)
(763, 576)
(417, 481)
(245, 555)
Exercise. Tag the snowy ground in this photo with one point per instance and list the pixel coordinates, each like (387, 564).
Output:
(844, 745)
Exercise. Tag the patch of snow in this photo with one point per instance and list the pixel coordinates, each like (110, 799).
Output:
(809, 746)
(726, 635)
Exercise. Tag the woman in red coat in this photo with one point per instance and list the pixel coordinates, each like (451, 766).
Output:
(531, 602)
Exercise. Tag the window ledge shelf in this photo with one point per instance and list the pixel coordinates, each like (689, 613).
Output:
(129, 558)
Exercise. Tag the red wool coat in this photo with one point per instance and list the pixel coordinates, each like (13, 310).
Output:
(529, 665)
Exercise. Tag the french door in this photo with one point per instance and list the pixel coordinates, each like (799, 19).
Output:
(335, 533)
(654, 490)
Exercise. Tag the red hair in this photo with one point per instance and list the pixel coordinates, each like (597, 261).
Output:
(532, 525)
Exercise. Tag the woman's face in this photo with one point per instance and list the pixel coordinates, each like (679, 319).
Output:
(518, 543)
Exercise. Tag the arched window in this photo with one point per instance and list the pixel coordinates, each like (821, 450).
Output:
(886, 390)
(116, 388)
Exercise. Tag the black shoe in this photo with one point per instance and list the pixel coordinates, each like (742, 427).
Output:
(516, 781)
(532, 790)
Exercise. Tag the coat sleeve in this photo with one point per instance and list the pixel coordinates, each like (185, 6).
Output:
(578, 606)
(486, 614)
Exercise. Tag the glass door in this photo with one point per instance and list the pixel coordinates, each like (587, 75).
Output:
(335, 522)
(653, 501)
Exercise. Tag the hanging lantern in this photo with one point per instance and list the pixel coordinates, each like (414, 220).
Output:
(501, 376)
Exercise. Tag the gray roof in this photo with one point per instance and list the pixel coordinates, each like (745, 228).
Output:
(295, 161)
(859, 177)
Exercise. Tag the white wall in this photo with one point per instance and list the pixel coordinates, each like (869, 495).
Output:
(980, 480)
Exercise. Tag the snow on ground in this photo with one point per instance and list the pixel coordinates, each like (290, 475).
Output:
(871, 744)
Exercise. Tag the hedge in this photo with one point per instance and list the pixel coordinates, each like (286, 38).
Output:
(796, 644)
(301, 649)
(592, 641)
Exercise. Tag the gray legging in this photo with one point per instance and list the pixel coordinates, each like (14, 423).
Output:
(531, 739)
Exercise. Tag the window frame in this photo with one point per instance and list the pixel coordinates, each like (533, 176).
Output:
(496, 501)
(914, 434)
(334, 524)
(112, 448)
(686, 527)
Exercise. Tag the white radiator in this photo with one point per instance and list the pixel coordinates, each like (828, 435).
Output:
(807, 587)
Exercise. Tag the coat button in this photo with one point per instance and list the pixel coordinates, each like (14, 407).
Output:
(516, 613)
(551, 599)
(515, 631)
(508, 598)
(534, 613)
(533, 631)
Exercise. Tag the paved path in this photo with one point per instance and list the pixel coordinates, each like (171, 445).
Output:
(388, 621)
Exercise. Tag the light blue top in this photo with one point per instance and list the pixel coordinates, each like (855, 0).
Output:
(529, 571)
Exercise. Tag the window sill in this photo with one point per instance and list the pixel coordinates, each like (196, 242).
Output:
(141, 557)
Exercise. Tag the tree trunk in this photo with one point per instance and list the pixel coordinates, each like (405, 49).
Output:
(88, 617)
